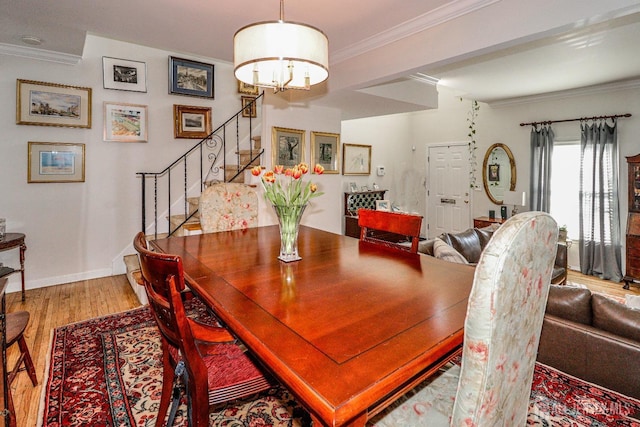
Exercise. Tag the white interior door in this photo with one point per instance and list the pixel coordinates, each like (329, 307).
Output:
(448, 189)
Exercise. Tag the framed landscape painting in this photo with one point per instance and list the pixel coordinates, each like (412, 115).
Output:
(191, 122)
(125, 122)
(325, 151)
(124, 74)
(52, 104)
(55, 162)
(190, 78)
(287, 146)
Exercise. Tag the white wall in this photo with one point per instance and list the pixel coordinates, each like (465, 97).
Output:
(494, 124)
(79, 230)
(324, 212)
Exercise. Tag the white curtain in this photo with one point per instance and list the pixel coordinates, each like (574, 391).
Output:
(599, 242)
(541, 153)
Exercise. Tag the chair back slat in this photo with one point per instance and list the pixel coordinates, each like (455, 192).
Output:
(391, 222)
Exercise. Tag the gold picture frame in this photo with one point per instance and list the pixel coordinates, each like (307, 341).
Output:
(356, 159)
(55, 162)
(191, 122)
(52, 104)
(125, 122)
(287, 146)
(247, 88)
(325, 151)
(249, 107)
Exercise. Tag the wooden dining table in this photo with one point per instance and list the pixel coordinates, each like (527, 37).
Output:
(347, 329)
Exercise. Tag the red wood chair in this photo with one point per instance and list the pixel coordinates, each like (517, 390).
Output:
(375, 227)
(16, 324)
(213, 366)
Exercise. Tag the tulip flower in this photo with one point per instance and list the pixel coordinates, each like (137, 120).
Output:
(284, 187)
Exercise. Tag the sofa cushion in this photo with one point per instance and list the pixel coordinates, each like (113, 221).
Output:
(484, 235)
(611, 316)
(570, 303)
(443, 251)
(466, 242)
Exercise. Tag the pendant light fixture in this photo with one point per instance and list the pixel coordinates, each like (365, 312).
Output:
(282, 55)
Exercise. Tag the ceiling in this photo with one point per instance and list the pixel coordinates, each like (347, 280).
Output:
(572, 51)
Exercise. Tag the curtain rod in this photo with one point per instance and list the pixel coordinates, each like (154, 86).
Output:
(548, 122)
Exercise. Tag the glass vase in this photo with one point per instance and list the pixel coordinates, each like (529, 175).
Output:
(289, 222)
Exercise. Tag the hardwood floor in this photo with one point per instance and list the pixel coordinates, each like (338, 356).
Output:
(59, 305)
(55, 306)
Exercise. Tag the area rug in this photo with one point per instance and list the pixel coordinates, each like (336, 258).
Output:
(108, 371)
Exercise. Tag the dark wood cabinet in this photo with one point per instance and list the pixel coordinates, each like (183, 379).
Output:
(633, 223)
(485, 221)
(353, 202)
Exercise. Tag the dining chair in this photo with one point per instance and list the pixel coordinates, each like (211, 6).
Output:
(390, 229)
(207, 359)
(501, 333)
(16, 324)
(228, 206)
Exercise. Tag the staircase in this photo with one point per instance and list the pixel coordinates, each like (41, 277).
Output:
(225, 155)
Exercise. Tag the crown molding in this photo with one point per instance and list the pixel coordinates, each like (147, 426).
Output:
(444, 13)
(39, 54)
(569, 93)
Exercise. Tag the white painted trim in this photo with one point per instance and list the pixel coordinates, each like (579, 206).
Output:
(39, 54)
(444, 13)
(570, 93)
(15, 285)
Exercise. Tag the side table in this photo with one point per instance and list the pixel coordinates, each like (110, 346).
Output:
(485, 221)
(13, 241)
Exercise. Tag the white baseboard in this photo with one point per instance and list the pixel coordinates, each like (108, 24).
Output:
(15, 281)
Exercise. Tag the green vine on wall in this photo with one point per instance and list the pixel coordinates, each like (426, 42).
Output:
(473, 161)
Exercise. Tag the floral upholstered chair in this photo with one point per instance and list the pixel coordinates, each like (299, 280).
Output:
(228, 206)
(502, 330)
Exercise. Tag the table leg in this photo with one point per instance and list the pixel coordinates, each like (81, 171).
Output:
(23, 247)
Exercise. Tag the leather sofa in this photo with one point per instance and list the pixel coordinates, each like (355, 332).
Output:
(592, 337)
(470, 244)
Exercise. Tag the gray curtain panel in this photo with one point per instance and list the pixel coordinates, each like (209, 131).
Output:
(541, 152)
(599, 242)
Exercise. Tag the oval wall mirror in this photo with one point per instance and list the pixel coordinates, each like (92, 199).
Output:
(498, 172)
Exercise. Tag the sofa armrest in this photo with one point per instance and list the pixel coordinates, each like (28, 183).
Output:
(591, 354)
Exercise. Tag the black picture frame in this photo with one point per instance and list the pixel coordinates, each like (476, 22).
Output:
(494, 172)
(191, 78)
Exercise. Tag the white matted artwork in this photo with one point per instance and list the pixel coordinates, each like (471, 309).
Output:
(383, 205)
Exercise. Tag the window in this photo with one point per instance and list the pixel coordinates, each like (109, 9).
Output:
(565, 186)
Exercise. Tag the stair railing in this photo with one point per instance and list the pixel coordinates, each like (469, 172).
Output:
(210, 155)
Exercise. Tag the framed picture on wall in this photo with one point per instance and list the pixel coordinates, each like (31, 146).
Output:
(325, 151)
(55, 162)
(191, 122)
(247, 89)
(287, 146)
(125, 122)
(494, 172)
(191, 78)
(52, 104)
(356, 159)
(124, 74)
(249, 107)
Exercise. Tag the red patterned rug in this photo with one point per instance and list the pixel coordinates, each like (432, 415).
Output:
(107, 372)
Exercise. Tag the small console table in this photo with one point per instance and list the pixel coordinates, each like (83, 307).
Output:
(485, 221)
(13, 241)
